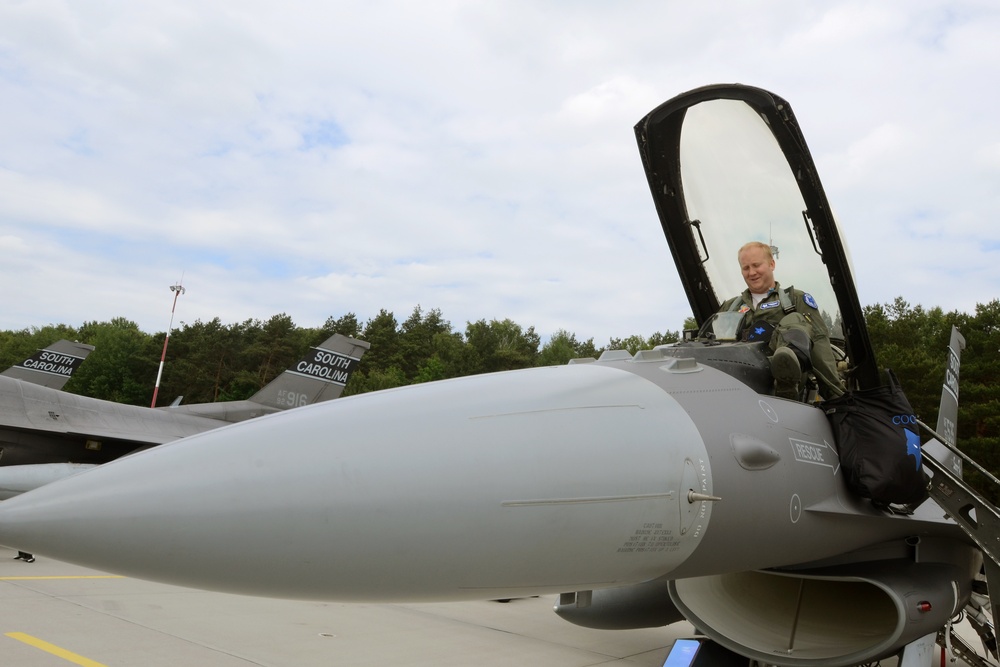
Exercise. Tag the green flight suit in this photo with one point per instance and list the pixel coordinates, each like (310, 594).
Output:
(806, 318)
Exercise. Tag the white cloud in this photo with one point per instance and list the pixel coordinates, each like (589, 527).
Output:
(323, 158)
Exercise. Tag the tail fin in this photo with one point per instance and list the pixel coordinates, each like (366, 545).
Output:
(53, 366)
(320, 376)
(948, 410)
(947, 423)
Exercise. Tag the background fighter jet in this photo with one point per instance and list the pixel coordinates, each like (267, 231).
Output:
(51, 367)
(46, 434)
(642, 489)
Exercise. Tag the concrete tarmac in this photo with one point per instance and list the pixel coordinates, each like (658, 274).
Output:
(53, 614)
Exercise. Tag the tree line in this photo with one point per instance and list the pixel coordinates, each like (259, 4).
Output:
(212, 361)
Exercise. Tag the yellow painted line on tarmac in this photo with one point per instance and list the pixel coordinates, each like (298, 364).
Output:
(54, 650)
(67, 576)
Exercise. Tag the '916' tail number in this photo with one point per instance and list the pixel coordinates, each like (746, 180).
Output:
(292, 399)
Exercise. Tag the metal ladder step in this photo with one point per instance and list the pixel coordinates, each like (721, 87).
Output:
(977, 516)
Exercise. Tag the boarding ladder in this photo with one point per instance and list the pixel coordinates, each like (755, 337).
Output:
(980, 520)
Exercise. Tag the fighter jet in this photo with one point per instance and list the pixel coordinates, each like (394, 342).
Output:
(642, 489)
(46, 434)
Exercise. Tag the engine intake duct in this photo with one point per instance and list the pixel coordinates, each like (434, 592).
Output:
(832, 617)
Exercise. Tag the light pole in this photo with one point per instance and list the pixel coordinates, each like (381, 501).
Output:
(177, 290)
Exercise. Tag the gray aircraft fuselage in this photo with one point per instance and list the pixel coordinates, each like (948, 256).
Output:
(587, 466)
(42, 425)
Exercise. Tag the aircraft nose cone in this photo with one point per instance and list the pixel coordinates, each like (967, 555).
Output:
(520, 482)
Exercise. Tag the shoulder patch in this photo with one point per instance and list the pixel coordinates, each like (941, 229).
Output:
(810, 301)
(744, 308)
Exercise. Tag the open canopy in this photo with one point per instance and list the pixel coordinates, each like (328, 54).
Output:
(727, 164)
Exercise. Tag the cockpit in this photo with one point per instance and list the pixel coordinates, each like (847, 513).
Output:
(727, 165)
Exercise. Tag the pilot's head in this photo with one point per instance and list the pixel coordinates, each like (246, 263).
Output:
(757, 265)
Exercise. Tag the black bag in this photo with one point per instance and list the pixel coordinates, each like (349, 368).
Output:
(879, 444)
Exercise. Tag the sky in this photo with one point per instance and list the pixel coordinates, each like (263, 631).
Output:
(323, 158)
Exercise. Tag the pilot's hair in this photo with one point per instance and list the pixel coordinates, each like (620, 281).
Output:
(756, 244)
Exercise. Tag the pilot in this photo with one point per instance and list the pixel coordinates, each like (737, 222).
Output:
(798, 338)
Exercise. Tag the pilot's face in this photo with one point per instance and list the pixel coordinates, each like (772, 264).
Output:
(758, 270)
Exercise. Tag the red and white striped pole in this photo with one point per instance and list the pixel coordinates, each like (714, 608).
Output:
(177, 290)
